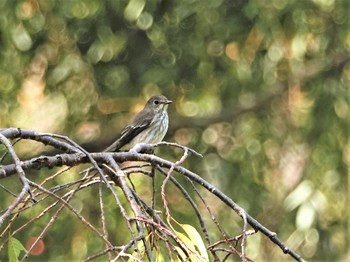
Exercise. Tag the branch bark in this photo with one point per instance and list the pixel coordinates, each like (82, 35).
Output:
(74, 155)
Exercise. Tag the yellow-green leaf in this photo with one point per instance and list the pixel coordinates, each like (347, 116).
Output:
(196, 240)
(14, 248)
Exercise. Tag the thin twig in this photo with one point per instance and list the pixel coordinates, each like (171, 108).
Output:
(129, 196)
(26, 188)
(244, 235)
(194, 206)
(103, 215)
(184, 148)
(99, 158)
(162, 188)
(75, 212)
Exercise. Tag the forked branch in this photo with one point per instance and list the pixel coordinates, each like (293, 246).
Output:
(148, 230)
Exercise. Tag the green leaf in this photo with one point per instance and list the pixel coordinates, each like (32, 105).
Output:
(196, 240)
(14, 248)
(192, 239)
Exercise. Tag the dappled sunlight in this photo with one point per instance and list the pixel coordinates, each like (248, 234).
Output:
(259, 88)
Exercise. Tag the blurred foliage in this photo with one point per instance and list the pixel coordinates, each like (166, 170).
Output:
(261, 88)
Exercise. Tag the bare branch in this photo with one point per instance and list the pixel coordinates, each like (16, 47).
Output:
(146, 218)
(20, 172)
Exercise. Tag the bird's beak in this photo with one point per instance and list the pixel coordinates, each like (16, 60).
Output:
(168, 102)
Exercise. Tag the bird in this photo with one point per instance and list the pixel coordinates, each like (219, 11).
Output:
(149, 126)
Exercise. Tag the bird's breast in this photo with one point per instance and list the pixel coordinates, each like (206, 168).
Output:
(155, 132)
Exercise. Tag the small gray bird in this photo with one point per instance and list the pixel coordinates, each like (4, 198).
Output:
(149, 126)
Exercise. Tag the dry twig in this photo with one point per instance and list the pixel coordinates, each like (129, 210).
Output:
(148, 231)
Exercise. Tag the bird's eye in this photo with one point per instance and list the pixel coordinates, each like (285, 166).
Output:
(156, 102)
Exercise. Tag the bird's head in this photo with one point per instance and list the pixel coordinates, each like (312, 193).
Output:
(158, 103)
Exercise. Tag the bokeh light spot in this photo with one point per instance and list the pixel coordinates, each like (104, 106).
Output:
(145, 21)
(232, 51)
(39, 247)
(21, 38)
(215, 48)
(134, 9)
(190, 108)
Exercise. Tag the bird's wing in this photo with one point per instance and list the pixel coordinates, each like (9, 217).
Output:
(136, 127)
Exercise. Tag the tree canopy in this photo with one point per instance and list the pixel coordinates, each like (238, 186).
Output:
(260, 88)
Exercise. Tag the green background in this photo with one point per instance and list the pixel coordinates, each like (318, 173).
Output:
(260, 88)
